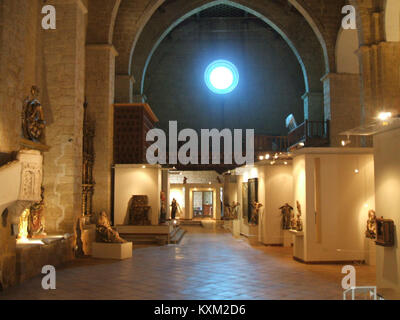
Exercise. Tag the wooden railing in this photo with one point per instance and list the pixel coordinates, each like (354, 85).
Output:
(311, 133)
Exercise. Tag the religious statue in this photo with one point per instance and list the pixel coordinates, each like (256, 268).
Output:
(287, 216)
(36, 220)
(104, 231)
(184, 180)
(256, 212)
(299, 223)
(33, 123)
(371, 225)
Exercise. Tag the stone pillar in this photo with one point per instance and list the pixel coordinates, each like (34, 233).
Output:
(64, 65)
(342, 105)
(380, 82)
(100, 82)
(313, 106)
(124, 88)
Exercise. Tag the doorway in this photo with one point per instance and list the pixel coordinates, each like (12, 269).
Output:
(203, 206)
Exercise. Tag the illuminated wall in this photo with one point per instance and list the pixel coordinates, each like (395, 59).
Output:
(387, 188)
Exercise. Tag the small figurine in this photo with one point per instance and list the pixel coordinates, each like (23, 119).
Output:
(287, 215)
(256, 211)
(36, 220)
(104, 231)
(184, 180)
(371, 225)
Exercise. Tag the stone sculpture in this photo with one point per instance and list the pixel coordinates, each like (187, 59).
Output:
(104, 231)
(371, 225)
(287, 216)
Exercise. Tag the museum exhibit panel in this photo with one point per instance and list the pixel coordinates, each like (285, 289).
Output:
(145, 138)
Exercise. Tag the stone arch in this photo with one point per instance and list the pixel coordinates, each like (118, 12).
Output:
(101, 21)
(276, 16)
(346, 56)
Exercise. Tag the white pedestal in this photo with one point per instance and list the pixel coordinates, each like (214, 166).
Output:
(370, 258)
(117, 251)
(287, 238)
(253, 235)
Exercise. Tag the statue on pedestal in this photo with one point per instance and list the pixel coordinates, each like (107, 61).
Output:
(371, 225)
(104, 231)
(287, 216)
(138, 211)
(163, 213)
(175, 207)
(33, 123)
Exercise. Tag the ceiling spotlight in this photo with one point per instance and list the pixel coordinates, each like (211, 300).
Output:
(209, 182)
(285, 163)
(276, 156)
(301, 144)
(272, 163)
(261, 157)
(267, 156)
(144, 167)
(356, 171)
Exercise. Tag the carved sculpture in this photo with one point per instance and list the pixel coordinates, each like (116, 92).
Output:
(33, 123)
(299, 223)
(36, 222)
(371, 225)
(104, 231)
(287, 216)
(231, 211)
(138, 211)
(256, 212)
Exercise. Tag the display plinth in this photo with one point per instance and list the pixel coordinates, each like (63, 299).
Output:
(118, 251)
(287, 238)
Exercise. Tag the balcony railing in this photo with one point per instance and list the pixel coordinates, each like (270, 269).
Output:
(311, 133)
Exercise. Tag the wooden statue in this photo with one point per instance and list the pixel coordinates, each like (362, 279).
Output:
(138, 209)
(299, 223)
(36, 222)
(256, 212)
(33, 123)
(371, 225)
(287, 216)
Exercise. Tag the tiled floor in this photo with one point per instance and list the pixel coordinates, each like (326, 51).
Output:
(207, 264)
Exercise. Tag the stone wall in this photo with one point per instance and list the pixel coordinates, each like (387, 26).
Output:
(64, 53)
(100, 76)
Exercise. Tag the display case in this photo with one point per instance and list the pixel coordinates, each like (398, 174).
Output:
(384, 232)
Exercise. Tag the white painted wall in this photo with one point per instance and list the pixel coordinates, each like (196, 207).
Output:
(387, 193)
(277, 188)
(343, 195)
(134, 180)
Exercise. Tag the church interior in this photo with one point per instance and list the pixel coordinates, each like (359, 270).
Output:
(316, 82)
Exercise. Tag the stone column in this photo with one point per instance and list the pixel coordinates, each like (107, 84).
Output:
(124, 88)
(100, 82)
(342, 105)
(64, 65)
(313, 106)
